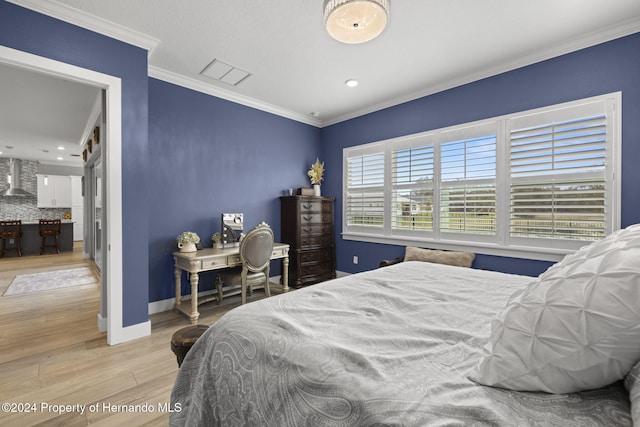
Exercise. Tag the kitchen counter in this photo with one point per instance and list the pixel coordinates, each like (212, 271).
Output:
(31, 239)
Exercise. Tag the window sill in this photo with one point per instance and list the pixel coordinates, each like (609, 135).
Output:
(540, 254)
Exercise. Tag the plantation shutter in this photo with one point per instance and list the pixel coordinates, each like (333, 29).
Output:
(412, 188)
(468, 186)
(558, 179)
(364, 203)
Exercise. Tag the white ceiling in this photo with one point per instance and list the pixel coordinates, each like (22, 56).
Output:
(44, 118)
(298, 71)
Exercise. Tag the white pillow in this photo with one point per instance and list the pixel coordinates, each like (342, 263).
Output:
(576, 327)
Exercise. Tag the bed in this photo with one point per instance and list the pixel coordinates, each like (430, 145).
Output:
(392, 346)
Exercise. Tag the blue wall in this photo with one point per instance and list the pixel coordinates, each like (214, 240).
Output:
(609, 67)
(31, 32)
(211, 156)
(187, 157)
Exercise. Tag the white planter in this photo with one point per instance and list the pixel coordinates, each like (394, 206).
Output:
(316, 190)
(187, 247)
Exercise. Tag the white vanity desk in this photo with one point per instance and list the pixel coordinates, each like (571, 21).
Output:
(215, 259)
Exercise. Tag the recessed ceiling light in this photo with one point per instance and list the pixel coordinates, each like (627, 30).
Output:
(60, 147)
(59, 158)
(351, 83)
(314, 114)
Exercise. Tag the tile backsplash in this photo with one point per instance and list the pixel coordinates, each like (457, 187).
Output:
(25, 207)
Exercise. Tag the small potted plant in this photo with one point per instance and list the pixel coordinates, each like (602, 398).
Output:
(217, 240)
(315, 174)
(187, 241)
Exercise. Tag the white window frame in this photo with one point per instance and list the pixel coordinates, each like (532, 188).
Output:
(501, 244)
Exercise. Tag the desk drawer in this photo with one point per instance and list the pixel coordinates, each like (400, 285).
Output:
(213, 263)
(233, 259)
(279, 253)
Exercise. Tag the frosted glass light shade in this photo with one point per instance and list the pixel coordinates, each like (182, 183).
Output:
(355, 21)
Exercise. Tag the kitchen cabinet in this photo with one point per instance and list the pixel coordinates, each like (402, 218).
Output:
(54, 191)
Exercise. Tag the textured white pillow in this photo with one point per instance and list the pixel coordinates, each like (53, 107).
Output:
(576, 327)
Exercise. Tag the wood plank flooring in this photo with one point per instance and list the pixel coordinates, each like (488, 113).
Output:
(51, 353)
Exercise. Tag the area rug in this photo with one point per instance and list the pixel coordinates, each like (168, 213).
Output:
(38, 282)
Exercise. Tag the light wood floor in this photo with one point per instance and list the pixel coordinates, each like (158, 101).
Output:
(51, 353)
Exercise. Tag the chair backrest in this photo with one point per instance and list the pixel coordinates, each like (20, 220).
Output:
(11, 227)
(50, 225)
(256, 247)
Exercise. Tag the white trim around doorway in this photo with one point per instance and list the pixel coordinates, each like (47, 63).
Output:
(116, 333)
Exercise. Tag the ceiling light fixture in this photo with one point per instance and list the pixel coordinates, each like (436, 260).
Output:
(351, 83)
(355, 21)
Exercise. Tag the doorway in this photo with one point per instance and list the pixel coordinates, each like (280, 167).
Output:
(111, 244)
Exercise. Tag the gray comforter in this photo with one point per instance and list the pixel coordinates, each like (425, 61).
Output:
(391, 346)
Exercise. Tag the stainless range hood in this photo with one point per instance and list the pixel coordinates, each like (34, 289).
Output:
(14, 188)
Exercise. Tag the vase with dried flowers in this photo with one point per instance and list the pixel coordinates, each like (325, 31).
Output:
(315, 174)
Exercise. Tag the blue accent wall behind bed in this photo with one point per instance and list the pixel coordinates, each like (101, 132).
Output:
(608, 67)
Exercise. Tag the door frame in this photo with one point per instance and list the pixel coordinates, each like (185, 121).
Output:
(112, 158)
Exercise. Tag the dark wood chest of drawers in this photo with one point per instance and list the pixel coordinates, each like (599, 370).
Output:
(307, 226)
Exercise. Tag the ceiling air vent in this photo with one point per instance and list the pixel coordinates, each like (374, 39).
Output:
(225, 73)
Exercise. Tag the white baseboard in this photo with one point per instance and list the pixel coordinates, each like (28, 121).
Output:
(160, 306)
(136, 331)
(102, 323)
(340, 274)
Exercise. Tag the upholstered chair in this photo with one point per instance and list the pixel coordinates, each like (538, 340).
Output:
(255, 254)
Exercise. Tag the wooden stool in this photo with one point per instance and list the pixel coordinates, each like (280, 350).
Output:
(49, 228)
(11, 230)
(183, 339)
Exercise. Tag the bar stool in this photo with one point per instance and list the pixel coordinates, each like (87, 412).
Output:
(11, 230)
(49, 228)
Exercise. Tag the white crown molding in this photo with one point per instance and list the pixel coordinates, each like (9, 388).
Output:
(73, 16)
(199, 86)
(91, 22)
(603, 35)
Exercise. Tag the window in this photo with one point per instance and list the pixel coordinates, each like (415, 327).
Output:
(536, 184)
(468, 186)
(412, 188)
(364, 201)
